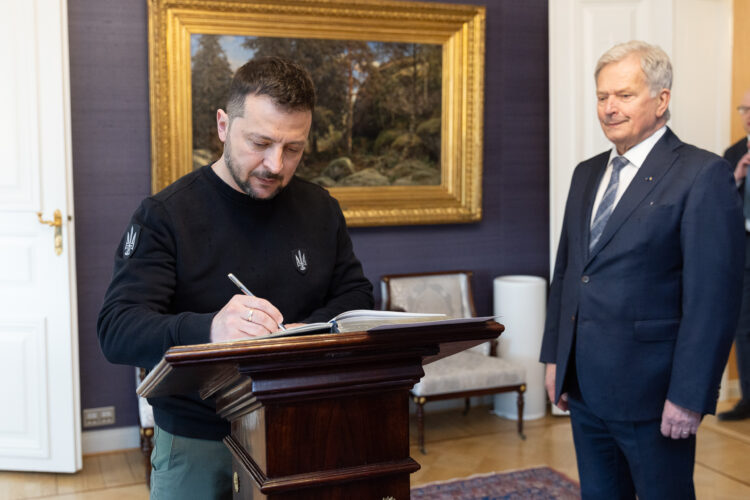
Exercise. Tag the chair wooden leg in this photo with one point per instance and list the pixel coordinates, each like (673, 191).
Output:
(420, 424)
(467, 405)
(519, 401)
(147, 445)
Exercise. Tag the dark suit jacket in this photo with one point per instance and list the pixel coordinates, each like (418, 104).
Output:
(651, 311)
(736, 151)
(733, 155)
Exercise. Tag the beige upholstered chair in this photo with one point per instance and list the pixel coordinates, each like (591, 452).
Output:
(474, 372)
(146, 425)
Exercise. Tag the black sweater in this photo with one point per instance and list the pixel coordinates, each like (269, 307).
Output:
(170, 275)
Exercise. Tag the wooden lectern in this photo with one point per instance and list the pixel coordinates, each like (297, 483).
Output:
(318, 416)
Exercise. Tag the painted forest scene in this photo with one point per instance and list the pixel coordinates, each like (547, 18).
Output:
(377, 117)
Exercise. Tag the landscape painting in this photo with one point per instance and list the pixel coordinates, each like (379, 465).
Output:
(398, 129)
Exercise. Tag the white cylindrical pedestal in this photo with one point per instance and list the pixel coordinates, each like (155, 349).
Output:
(520, 304)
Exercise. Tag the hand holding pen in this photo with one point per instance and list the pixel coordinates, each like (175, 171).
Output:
(249, 294)
(245, 316)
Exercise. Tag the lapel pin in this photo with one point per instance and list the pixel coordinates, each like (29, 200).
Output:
(648, 179)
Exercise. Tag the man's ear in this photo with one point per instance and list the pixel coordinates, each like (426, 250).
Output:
(222, 124)
(663, 97)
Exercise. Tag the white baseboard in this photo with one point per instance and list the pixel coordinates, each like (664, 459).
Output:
(558, 412)
(730, 390)
(118, 438)
(514, 415)
(450, 404)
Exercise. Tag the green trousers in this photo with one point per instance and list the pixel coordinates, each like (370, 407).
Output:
(185, 468)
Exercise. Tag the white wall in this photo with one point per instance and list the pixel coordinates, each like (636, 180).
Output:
(702, 61)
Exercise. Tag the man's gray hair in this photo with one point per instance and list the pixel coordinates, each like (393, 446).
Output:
(654, 63)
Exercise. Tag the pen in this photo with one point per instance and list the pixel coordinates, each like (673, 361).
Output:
(247, 292)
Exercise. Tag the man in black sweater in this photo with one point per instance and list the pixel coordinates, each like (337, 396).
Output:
(738, 156)
(246, 214)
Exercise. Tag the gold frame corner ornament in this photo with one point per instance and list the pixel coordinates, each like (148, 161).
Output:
(460, 29)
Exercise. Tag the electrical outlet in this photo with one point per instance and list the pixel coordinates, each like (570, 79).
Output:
(96, 417)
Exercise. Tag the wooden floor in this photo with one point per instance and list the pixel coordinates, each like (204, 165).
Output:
(457, 446)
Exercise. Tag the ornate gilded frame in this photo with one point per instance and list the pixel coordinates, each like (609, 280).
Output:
(458, 28)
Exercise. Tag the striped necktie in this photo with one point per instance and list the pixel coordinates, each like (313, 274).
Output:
(608, 202)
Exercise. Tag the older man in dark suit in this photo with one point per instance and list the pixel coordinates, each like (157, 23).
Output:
(738, 156)
(646, 289)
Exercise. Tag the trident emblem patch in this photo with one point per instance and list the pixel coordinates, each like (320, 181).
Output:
(300, 260)
(131, 240)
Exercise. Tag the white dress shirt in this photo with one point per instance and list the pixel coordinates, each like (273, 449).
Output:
(635, 156)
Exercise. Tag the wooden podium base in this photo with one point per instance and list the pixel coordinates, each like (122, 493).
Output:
(352, 447)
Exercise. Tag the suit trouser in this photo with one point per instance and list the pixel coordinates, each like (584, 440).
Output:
(742, 336)
(616, 459)
(188, 468)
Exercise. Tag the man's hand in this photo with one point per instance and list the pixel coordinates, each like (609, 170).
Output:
(678, 422)
(549, 384)
(244, 317)
(740, 171)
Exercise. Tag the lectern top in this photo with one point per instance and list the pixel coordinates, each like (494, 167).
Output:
(208, 367)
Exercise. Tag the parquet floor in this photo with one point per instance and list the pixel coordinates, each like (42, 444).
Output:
(457, 446)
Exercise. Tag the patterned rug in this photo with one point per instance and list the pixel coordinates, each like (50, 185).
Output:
(537, 484)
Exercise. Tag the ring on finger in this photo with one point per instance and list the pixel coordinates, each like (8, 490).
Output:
(249, 315)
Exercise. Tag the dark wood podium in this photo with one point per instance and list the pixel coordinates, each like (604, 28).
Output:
(317, 416)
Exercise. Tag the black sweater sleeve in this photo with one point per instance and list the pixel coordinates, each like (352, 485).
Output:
(135, 325)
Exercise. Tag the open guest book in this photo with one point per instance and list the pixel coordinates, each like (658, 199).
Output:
(359, 320)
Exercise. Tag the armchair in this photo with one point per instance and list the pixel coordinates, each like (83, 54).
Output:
(474, 372)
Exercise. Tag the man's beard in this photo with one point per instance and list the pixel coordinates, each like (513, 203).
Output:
(244, 184)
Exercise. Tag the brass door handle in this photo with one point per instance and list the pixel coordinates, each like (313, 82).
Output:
(57, 224)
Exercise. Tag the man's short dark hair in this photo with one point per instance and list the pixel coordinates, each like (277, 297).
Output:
(288, 84)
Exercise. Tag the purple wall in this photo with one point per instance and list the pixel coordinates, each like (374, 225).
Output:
(111, 167)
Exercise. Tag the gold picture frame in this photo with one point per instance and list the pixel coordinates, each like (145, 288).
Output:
(459, 29)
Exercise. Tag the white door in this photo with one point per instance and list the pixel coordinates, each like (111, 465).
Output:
(39, 394)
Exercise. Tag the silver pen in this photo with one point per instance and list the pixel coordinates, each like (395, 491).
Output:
(247, 292)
